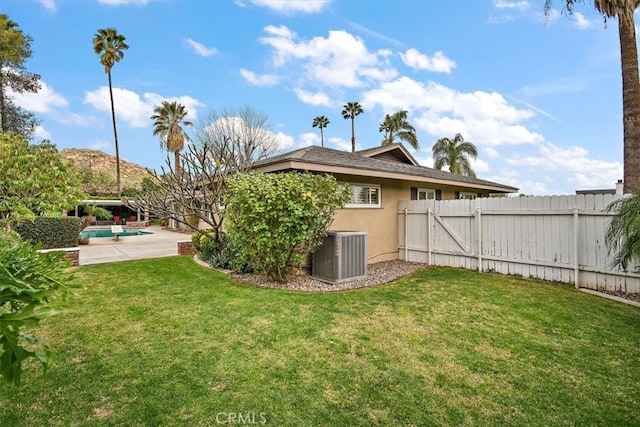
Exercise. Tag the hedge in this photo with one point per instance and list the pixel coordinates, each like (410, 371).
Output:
(51, 232)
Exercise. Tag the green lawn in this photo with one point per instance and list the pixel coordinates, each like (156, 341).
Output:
(167, 342)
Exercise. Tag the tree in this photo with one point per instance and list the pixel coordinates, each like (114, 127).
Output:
(15, 49)
(110, 46)
(397, 126)
(623, 233)
(623, 10)
(224, 144)
(34, 180)
(454, 153)
(278, 219)
(168, 120)
(320, 122)
(350, 111)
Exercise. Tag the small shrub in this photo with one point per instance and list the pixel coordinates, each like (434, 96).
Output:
(204, 242)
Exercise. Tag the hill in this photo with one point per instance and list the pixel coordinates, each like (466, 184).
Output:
(96, 161)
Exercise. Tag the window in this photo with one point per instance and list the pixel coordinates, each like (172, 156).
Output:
(364, 196)
(426, 194)
(467, 196)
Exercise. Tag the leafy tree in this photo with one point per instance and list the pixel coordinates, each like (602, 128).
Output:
(34, 180)
(110, 46)
(168, 120)
(15, 49)
(96, 183)
(624, 11)
(454, 153)
(350, 111)
(320, 122)
(277, 219)
(224, 144)
(396, 126)
(30, 283)
(623, 233)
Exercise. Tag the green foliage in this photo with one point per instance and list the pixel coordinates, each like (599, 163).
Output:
(205, 243)
(277, 219)
(29, 281)
(97, 183)
(623, 234)
(50, 232)
(34, 180)
(15, 50)
(220, 253)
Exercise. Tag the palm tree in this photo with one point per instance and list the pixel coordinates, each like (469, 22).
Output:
(455, 153)
(168, 120)
(320, 122)
(397, 126)
(623, 234)
(110, 46)
(623, 10)
(350, 111)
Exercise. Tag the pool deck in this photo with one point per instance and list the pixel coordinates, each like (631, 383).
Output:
(162, 243)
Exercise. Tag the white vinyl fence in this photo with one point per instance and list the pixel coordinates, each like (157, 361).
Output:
(558, 238)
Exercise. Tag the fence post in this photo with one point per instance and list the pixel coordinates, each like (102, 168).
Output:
(479, 226)
(576, 271)
(429, 232)
(406, 234)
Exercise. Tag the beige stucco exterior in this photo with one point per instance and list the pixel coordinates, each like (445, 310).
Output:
(381, 224)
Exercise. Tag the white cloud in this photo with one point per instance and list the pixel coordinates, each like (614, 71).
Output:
(437, 63)
(133, 109)
(259, 80)
(42, 133)
(290, 7)
(339, 60)
(284, 141)
(308, 139)
(573, 162)
(583, 23)
(201, 49)
(44, 101)
(510, 5)
(50, 5)
(340, 144)
(479, 166)
(490, 152)
(313, 98)
(100, 145)
(484, 118)
(553, 88)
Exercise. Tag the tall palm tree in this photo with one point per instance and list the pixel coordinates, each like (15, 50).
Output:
(397, 126)
(168, 121)
(454, 153)
(320, 122)
(350, 111)
(110, 46)
(623, 10)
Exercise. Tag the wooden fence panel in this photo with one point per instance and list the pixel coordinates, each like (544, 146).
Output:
(558, 238)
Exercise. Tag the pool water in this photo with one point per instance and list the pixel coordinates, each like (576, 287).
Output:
(106, 232)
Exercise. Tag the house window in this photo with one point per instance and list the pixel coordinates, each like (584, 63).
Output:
(467, 196)
(364, 196)
(426, 194)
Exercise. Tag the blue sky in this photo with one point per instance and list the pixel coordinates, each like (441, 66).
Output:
(540, 98)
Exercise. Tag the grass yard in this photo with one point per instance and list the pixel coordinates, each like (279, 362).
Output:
(166, 342)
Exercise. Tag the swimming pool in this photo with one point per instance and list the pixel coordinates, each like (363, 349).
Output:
(106, 232)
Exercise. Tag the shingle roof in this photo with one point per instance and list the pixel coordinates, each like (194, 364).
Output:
(330, 157)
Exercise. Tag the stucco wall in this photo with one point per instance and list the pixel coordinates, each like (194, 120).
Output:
(381, 224)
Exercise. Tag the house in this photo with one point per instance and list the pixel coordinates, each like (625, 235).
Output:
(380, 177)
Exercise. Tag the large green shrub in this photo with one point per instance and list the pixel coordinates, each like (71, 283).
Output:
(277, 219)
(29, 281)
(50, 232)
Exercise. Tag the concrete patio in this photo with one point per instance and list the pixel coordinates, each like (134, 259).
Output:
(162, 243)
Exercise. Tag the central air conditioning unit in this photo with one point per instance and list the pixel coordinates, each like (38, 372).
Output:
(341, 257)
